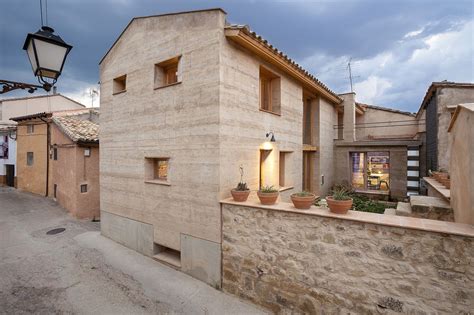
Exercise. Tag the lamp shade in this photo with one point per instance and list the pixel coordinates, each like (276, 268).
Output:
(47, 53)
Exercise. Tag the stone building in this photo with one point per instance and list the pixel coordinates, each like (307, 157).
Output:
(58, 157)
(436, 110)
(22, 106)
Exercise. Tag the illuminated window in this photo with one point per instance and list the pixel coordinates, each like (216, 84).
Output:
(157, 170)
(161, 169)
(166, 72)
(370, 170)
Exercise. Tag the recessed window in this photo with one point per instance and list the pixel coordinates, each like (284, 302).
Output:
(307, 122)
(29, 158)
(55, 191)
(166, 72)
(55, 154)
(284, 163)
(30, 128)
(270, 94)
(83, 188)
(120, 84)
(157, 170)
(87, 152)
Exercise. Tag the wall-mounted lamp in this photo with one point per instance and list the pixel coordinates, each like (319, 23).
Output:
(272, 139)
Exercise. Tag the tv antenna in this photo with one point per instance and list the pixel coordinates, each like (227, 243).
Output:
(351, 77)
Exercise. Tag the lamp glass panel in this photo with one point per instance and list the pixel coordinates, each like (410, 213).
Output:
(50, 56)
(31, 55)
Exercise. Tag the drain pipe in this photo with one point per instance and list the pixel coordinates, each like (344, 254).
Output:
(48, 141)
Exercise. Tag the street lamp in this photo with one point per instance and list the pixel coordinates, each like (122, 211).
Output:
(47, 53)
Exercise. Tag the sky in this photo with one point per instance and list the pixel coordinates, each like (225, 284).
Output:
(396, 48)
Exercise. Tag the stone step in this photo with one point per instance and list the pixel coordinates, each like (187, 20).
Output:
(403, 209)
(169, 257)
(390, 211)
(425, 204)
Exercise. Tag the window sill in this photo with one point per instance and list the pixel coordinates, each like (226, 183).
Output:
(270, 112)
(168, 85)
(119, 92)
(281, 189)
(158, 182)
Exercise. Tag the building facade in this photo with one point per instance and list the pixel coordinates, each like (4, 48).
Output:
(15, 107)
(58, 157)
(180, 118)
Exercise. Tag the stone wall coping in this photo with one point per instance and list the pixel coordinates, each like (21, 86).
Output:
(367, 217)
(445, 192)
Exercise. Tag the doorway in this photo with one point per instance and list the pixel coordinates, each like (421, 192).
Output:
(10, 175)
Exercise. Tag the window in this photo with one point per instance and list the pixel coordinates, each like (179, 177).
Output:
(269, 91)
(308, 170)
(284, 180)
(55, 154)
(157, 170)
(87, 152)
(55, 190)
(370, 170)
(83, 188)
(29, 158)
(120, 84)
(307, 122)
(30, 128)
(166, 72)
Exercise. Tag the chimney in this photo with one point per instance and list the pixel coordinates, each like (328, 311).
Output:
(55, 90)
(349, 121)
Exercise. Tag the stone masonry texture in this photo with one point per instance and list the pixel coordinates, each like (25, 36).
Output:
(297, 263)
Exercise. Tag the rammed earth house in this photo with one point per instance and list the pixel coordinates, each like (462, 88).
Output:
(187, 98)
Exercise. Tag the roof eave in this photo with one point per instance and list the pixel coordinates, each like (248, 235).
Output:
(245, 40)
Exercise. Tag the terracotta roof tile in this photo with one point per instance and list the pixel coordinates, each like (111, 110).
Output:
(78, 130)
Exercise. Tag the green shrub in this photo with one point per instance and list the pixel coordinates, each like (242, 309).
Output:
(340, 193)
(241, 187)
(363, 203)
(268, 189)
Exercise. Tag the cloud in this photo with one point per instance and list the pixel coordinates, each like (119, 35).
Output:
(399, 77)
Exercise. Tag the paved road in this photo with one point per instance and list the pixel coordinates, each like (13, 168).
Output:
(78, 271)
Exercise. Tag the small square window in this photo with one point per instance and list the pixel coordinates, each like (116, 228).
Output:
(29, 158)
(166, 72)
(120, 84)
(83, 188)
(87, 152)
(157, 170)
(30, 128)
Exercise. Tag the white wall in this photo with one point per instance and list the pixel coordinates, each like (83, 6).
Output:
(11, 154)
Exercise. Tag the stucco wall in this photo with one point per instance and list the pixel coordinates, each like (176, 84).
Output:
(34, 105)
(382, 124)
(445, 97)
(314, 264)
(462, 167)
(32, 178)
(70, 171)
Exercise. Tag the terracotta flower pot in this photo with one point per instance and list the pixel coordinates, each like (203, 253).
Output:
(339, 206)
(301, 202)
(240, 195)
(446, 182)
(440, 176)
(268, 198)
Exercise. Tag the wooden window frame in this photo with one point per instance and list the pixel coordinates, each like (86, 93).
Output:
(269, 92)
(163, 77)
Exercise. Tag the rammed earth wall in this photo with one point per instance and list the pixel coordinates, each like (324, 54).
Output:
(319, 263)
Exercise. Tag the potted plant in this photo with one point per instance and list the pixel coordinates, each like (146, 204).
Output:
(268, 195)
(241, 192)
(303, 199)
(340, 201)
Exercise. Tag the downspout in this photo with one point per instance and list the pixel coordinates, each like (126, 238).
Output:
(48, 141)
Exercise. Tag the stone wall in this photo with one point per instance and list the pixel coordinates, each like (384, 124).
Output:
(317, 262)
